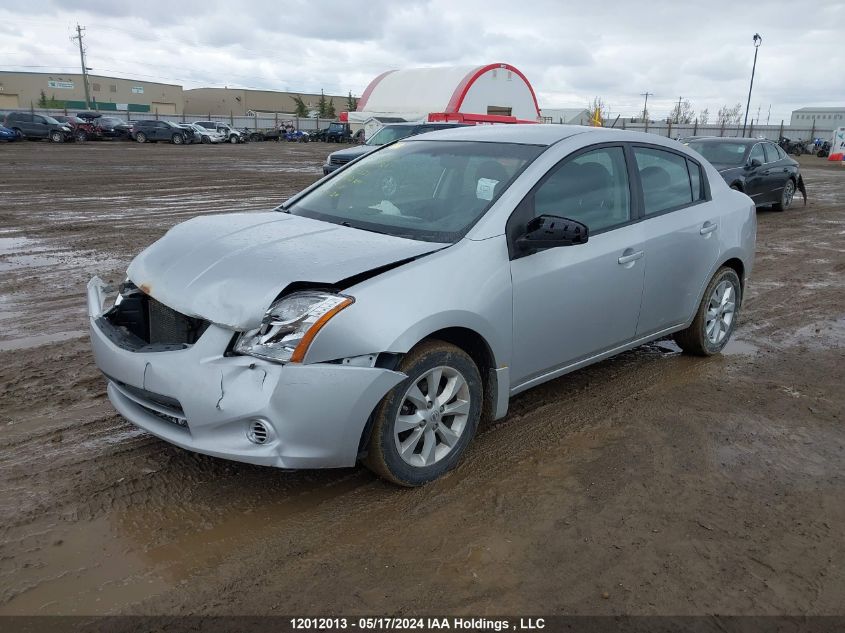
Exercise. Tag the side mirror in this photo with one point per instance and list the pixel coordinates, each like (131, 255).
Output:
(551, 231)
(755, 162)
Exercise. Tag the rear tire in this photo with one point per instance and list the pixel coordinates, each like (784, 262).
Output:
(18, 133)
(81, 137)
(141, 137)
(416, 437)
(786, 196)
(206, 140)
(716, 318)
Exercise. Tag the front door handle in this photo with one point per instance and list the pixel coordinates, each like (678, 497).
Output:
(632, 257)
(708, 228)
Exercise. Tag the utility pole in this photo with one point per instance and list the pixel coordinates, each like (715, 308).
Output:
(79, 36)
(769, 115)
(757, 41)
(645, 104)
(678, 111)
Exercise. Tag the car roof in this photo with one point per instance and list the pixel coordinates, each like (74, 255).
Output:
(728, 139)
(531, 134)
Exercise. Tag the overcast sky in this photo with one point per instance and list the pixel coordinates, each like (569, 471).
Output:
(570, 51)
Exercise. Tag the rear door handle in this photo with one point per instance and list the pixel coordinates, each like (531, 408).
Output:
(627, 259)
(708, 228)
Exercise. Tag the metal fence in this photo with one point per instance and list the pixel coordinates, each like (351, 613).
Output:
(274, 121)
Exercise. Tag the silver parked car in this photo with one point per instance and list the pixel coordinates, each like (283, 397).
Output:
(382, 312)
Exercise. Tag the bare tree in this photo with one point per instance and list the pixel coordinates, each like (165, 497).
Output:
(703, 116)
(598, 106)
(682, 112)
(729, 116)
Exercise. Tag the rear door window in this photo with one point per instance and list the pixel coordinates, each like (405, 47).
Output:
(665, 180)
(771, 152)
(757, 154)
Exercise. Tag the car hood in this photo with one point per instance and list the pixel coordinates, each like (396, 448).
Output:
(354, 152)
(229, 268)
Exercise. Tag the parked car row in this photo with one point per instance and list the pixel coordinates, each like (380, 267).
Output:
(80, 127)
(89, 126)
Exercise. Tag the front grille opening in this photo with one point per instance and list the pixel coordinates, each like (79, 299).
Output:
(141, 323)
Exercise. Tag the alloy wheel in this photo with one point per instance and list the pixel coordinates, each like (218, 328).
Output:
(720, 313)
(433, 415)
(788, 193)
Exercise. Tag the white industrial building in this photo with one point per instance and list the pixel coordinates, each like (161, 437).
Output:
(569, 116)
(494, 93)
(822, 117)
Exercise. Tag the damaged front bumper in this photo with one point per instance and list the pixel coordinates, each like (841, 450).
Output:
(202, 400)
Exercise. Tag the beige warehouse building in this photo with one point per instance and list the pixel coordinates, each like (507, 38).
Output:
(19, 91)
(241, 101)
(67, 90)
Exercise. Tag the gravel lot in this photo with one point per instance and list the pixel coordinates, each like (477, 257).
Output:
(653, 483)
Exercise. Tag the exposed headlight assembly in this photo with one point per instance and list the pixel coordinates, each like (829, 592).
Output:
(290, 325)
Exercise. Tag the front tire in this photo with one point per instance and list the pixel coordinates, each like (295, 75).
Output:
(57, 137)
(233, 139)
(423, 426)
(786, 196)
(716, 319)
(178, 139)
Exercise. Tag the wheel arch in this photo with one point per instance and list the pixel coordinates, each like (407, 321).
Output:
(738, 267)
(481, 353)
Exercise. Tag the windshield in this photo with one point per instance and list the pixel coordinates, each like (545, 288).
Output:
(110, 121)
(51, 120)
(424, 190)
(721, 153)
(389, 134)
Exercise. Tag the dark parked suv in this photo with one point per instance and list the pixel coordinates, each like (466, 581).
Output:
(387, 134)
(152, 131)
(28, 125)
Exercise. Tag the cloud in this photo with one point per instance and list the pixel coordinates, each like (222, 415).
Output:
(571, 51)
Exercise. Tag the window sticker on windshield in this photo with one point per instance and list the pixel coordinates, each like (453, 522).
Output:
(484, 189)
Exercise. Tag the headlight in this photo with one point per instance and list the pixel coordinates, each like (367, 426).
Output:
(290, 325)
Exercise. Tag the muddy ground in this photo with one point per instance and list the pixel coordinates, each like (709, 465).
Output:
(653, 483)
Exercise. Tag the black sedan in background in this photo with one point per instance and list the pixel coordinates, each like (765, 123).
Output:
(757, 167)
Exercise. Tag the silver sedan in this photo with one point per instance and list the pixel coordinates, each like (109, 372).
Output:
(382, 313)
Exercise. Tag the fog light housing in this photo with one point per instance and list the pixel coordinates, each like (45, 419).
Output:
(258, 432)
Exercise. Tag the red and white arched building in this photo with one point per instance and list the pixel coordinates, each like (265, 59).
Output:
(494, 93)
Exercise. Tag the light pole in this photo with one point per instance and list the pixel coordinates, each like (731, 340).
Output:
(757, 41)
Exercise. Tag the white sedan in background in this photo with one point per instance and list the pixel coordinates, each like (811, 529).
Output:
(206, 135)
